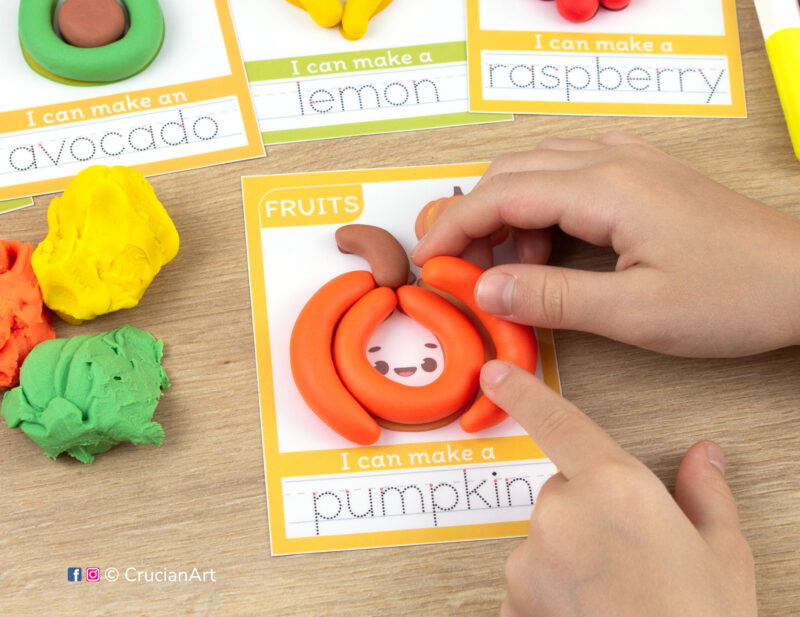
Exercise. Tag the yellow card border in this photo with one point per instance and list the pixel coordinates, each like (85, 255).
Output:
(728, 44)
(234, 84)
(278, 465)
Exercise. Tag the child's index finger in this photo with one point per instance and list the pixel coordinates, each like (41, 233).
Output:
(523, 200)
(565, 434)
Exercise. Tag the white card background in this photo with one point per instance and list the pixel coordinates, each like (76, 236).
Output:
(297, 261)
(697, 17)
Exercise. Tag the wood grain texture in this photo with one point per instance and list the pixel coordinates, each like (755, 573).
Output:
(199, 500)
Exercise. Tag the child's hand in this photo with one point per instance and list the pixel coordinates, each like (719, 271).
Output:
(702, 270)
(606, 538)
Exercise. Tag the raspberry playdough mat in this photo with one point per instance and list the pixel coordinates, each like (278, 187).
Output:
(652, 58)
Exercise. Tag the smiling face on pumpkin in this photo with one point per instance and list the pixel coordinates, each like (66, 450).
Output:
(405, 352)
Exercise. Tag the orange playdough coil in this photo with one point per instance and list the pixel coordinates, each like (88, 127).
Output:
(460, 342)
(312, 363)
(514, 342)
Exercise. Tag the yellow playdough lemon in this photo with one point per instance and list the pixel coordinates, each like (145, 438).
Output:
(108, 237)
(356, 16)
(326, 13)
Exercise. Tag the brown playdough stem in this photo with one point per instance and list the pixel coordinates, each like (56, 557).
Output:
(386, 256)
(91, 23)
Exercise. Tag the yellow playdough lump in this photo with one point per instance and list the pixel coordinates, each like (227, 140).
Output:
(108, 237)
(352, 17)
(356, 16)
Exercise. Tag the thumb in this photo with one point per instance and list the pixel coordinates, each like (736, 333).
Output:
(704, 496)
(560, 298)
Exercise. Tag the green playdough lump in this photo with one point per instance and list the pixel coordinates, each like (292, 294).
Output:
(86, 394)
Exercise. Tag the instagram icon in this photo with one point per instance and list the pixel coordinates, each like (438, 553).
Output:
(93, 574)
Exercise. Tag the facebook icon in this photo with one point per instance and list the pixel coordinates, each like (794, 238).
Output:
(74, 574)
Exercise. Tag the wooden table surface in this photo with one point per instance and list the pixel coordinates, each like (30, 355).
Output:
(199, 500)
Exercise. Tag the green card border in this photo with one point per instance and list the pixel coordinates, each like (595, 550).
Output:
(439, 53)
(15, 204)
(373, 127)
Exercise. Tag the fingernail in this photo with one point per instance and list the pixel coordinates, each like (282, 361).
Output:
(494, 293)
(715, 456)
(493, 373)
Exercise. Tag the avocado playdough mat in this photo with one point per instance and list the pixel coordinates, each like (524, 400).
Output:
(190, 108)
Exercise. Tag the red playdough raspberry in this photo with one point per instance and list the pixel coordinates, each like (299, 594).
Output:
(577, 10)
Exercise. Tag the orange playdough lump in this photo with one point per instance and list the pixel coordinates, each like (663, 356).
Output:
(24, 320)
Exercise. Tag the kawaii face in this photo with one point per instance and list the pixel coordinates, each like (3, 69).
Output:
(406, 352)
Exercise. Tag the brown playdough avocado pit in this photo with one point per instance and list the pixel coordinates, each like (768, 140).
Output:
(91, 23)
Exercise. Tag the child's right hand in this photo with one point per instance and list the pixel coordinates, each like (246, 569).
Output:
(702, 270)
(606, 537)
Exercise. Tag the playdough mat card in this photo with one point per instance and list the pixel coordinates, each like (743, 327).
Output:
(326, 492)
(653, 58)
(15, 204)
(408, 72)
(190, 107)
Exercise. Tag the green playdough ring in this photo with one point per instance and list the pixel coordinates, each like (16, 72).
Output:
(56, 59)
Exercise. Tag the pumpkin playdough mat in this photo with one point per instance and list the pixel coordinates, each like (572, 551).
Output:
(324, 492)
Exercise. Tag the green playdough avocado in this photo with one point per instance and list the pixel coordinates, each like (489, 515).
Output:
(56, 59)
(86, 394)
